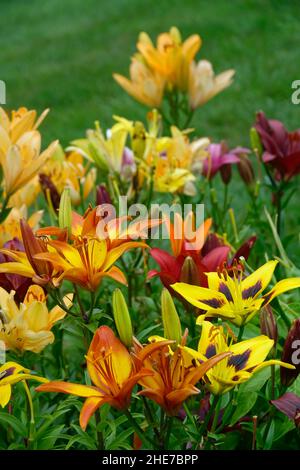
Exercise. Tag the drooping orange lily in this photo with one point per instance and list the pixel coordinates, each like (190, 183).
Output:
(172, 382)
(113, 372)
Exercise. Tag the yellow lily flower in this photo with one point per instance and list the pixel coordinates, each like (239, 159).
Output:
(246, 358)
(27, 195)
(27, 327)
(145, 84)
(10, 374)
(172, 57)
(71, 170)
(234, 298)
(21, 121)
(20, 148)
(204, 84)
(105, 151)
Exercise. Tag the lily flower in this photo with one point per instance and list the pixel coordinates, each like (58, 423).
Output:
(15, 282)
(145, 85)
(86, 262)
(171, 57)
(20, 148)
(26, 264)
(113, 372)
(10, 228)
(234, 298)
(246, 358)
(204, 84)
(281, 149)
(220, 158)
(27, 327)
(10, 374)
(172, 380)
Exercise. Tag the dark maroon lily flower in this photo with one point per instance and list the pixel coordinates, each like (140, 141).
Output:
(291, 354)
(281, 148)
(220, 159)
(14, 282)
(289, 404)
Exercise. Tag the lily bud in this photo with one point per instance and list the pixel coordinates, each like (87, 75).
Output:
(268, 324)
(65, 210)
(189, 272)
(291, 354)
(226, 173)
(256, 144)
(170, 318)
(49, 190)
(102, 196)
(246, 172)
(122, 318)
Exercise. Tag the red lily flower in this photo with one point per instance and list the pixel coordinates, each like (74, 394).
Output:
(281, 148)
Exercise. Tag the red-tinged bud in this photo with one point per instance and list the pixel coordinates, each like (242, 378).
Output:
(246, 171)
(289, 404)
(268, 324)
(291, 354)
(49, 190)
(102, 196)
(226, 172)
(189, 272)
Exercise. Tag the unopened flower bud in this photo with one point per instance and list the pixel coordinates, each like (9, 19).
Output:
(268, 324)
(102, 196)
(291, 354)
(50, 191)
(170, 318)
(189, 272)
(255, 141)
(245, 169)
(65, 210)
(122, 318)
(226, 172)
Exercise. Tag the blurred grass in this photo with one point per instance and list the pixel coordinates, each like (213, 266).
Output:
(61, 54)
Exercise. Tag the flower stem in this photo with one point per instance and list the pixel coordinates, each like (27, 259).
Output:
(31, 435)
(241, 332)
(145, 440)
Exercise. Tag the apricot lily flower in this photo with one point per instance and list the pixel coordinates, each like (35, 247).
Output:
(235, 298)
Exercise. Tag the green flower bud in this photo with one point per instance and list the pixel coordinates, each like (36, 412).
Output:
(122, 318)
(255, 142)
(170, 318)
(65, 210)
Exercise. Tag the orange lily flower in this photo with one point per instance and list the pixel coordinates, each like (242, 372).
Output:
(184, 237)
(113, 372)
(87, 261)
(172, 381)
(116, 231)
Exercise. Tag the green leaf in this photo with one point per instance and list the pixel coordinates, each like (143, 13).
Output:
(245, 402)
(256, 382)
(12, 421)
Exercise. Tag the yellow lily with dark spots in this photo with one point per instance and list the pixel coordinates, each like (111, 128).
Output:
(236, 299)
(247, 357)
(10, 374)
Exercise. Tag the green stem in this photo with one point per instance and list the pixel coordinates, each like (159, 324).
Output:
(216, 414)
(31, 435)
(145, 440)
(100, 438)
(241, 332)
(209, 415)
(82, 309)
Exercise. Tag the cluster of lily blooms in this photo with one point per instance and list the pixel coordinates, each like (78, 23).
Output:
(210, 280)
